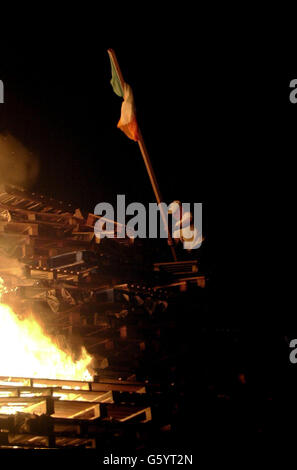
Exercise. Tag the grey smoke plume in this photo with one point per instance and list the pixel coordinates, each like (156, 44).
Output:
(10, 267)
(18, 166)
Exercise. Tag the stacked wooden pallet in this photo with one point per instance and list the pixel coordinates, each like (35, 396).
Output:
(35, 226)
(87, 304)
(57, 413)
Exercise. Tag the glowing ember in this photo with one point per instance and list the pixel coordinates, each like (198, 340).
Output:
(25, 351)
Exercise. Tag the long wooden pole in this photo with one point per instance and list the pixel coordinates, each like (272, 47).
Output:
(147, 161)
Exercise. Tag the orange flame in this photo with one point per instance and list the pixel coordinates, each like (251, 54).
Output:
(26, 351)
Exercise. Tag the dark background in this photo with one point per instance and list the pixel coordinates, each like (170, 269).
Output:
(217, 121)
(59, 103)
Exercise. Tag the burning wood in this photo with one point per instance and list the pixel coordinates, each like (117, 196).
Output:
(79, 292)
(25, 350)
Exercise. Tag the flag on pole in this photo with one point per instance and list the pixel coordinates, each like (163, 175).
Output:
(115, 81)
(127, 123)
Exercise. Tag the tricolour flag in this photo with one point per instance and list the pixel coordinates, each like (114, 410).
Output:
(127, 122)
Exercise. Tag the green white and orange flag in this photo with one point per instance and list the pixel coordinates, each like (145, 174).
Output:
(127, 122)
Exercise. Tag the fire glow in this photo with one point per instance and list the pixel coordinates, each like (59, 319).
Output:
(26, 351)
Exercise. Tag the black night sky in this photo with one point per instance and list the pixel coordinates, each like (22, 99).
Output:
(59, 103)
(218, 125)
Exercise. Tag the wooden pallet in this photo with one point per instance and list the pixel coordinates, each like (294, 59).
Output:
(178, 267)
(58, 413)
(50, 227)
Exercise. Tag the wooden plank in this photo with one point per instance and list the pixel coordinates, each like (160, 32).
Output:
(123, 412)
(24, 392)
(48, 215)
(54, 407)
(41, 407)
(20, 195)
(64, 384)
(14, 381)
(41, 382)
(75, 409)
(38, 405)
(28, 440)
(103, 396)
(48, 442)
(118, 387)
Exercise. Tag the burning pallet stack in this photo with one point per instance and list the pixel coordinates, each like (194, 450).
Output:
(83, 292)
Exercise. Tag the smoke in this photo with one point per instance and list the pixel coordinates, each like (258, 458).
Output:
(18, 166)
(11, 268)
